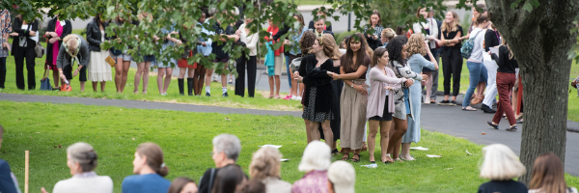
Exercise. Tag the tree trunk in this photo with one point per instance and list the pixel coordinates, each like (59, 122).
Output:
(540, 41)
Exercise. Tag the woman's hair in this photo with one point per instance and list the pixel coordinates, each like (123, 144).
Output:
(155, 159)
(97, 20)
(361, 55)
(399, 30)
(416, 44)
(369, 52)
(178, 184)
(144, 15)
(317, 156)
(83, 154)
(330, 47)
(227, 179)
(229, 144)
(481, 18)
(388, 33)
(548, 174)
(506, 44)
(71, 44)
(252, 186)
(301, 20)
(418, 12)
(395, 49)
(500, 163)
(376, 12)
(452, 27)
(378, 53)
(307, 42)
(265, 163)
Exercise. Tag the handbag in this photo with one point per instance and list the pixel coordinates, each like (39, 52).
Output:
(39, 50)
(45, 81)
(466, 49)
(295, 64)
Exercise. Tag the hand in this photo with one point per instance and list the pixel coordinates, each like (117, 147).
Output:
(424, 82)
(237, 32)
(330, 74)
(52, 40)
(424, 76)
(62, 77)
(75, 73)
(204, 44)
(6, 45)
(375, 37)
(298, 78)
(43, 190)
(389, 88)
(490, 53)
(286, 42)
(13, 34)
(409, 82)
(32, 33)
(361, 89)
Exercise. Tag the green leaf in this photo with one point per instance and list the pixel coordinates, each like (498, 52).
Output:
(528, 7)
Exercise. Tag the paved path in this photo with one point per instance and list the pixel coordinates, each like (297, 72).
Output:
(444, 119)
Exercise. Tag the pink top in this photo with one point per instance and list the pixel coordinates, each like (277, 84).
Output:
(56, 46)
(377, 96)
(312, 182)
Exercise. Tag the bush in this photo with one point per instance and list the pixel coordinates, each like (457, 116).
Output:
(340, 36)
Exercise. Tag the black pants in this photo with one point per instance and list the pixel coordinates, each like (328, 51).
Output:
(2, 72)
(451, 65)
(30, 62)
(251, 73)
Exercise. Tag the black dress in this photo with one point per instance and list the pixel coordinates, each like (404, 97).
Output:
(337, 86)
(318, 96)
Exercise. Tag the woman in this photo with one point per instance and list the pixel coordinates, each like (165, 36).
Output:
(296, 52)
(387, 35)
(185, 67)
(431, 29)
(165, 68)
(122, 58)
(204, 47)
(143, 67)
(228, 179)
(374, 39)
(98, 69)
(354, 98)
(5, 29)
(25, 39)
(74, 48)
(314, 73)
(337, 86)
(149, 167)
(252, 186)
(183, 185)
(548, 175)
(505, 82)
(274, 79)
(82, 160)
(315, 162)
(397, 51)
(477, 71)
(55, 32)
(492, 39)
(417, 48)
(501, 165)
(306, 42)
(451, 56)
(266, 168)
(381, 103)
(250, 40)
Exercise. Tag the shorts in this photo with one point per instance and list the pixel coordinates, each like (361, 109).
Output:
(149, 58)
(81, 74)
(386, 116)
(126, 57)
(223, 60)
(278, 63)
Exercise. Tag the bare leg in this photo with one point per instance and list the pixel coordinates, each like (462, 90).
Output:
(168, 75)
(277, 85)
(94, 86)
(182, 72)
(374, 124)
(161, 73)
(55, 77)
(294, 89)
(103, 83)
(126, 66)
(328, 134)
(270, 80)
(82, 83)
(314, 126)
(406, 151)
(140, 69)
(301, 89)
(118, 74)
(384, 139)
(428, 87)
(208, 77)
(146, 76)
(400, 129)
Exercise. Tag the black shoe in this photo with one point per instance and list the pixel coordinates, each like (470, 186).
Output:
(207, 94)
(444, 103)
(512, 129)
(225, 95)
(453, 103)
(190, 86)
(487, 109)
(493, 125)
(181, 86)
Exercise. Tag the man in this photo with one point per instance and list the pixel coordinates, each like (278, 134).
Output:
(341, 177)
(319, 28)
(73, 48)
(226, 149)
(321, 14)
(221, 55)
(8, 183)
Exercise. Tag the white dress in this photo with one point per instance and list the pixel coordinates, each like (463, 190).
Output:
(98, 69)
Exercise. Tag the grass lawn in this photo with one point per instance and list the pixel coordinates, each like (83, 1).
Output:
(259, 102)
(186, 139)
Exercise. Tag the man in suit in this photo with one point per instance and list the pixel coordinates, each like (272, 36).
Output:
(319, 28)
(8, 183)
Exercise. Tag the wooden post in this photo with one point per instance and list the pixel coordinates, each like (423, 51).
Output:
(26, 170)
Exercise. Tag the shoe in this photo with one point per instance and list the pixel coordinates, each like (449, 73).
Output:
(512, 129)
(207, 94)
(453, 103)
(427, 102)
(444, 103)
(493, 125)
(299, 98)
(164, 94)
(288, 97)
(335, 151)
(294, 98)
(181, 86)
(408, 159)
(487, 109)
(225, 95)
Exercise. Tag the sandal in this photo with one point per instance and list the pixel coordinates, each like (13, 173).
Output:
(346, 157)
(364, 147)
(493, 125)
(354, 159)
(388, 160)
(468, 108)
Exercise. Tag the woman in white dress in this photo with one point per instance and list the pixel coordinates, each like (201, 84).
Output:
(98, 69)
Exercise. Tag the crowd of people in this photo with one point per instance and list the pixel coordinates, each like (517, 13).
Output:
(500, 165)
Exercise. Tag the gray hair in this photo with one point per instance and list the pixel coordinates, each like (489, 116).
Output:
(211, 12)
(84, 154)
(228, 144)
(317, 156)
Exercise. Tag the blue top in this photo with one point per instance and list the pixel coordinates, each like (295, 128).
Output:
(295, 48)
(385, 44)
(148, 183)
(417, 63)
(206, 50)
(6, 182)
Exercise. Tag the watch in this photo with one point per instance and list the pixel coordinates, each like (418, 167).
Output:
(352, 85)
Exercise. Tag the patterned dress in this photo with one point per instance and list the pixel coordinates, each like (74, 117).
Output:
(312, 182)
(5, 29)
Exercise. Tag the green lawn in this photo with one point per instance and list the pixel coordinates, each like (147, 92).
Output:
(186, 139)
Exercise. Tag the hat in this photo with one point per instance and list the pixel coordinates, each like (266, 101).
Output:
(343, 177)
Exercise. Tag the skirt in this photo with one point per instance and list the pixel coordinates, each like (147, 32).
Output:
(98, 69)
(337, 86)
(310, 110)
(353, 115)
(183, 63)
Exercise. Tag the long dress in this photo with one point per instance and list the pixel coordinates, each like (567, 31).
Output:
(353, 113)
(417, 63)
(98, 69)
(337, 86)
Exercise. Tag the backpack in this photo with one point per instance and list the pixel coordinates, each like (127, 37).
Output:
(467, 47)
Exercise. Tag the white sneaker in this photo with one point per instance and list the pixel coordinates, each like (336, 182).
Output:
(298, 98)
(293, 98)
(164, 94)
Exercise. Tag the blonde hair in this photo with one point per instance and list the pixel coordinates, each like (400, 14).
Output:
(506, 44)
(416, 44)
(500, 163)
(388, 33)
(454, 26)
(265, 163)
(330, 44)
(317, 156)
(369, 51)
(71, 44)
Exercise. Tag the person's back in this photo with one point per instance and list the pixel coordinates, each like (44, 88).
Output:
(146, 183)
(507, 186)
(88, 183)
(7, 183)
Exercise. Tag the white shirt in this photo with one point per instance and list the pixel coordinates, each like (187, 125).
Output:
(478, 35)
(250, 40)
(96, 184)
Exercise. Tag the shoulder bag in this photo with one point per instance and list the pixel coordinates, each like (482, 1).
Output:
(467, 47)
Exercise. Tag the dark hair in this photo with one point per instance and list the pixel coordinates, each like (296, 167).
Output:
(178, 184)
(252, 186)
(97, 20)
(376, 12)
(399, 30)
(301, 20)
(548, 174)
(481, 18)
(227, 179)
(378, 53)
(361, 56)
(395, 49)
(155, 159)
(307, 41)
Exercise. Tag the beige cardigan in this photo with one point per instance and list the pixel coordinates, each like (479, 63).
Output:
(377, 96)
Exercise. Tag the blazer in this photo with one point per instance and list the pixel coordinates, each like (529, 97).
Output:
(17, 51)
(93, 35)
(83, 55)
(66, 30)
(311, 26)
